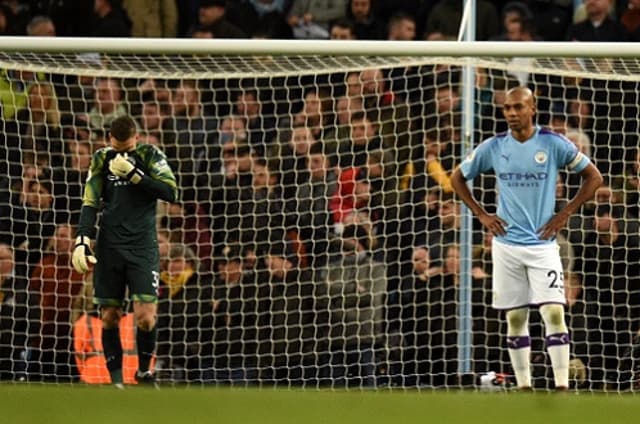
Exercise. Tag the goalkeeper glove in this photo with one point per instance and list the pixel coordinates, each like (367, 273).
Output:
(82, 255)
(121, 167)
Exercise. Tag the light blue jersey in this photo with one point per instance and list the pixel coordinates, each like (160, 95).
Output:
(526, 173)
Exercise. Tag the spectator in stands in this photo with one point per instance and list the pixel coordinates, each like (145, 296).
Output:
(14, 326)
(402, 27)
(286, 317)
(185, 318)
(342, 29)
(56, 284)
(339, 133)
(367, 26)
(608, 265)
(188, 138)
(311, 18)
(260, 126)
(7, 21)
(413, 324)
(631, 186)
(429, 319)
(152, 18)
(14, 88)
(41, 26)
(69, 180)
(77, 94)
(262, 209)
(630, 19)
(261, 18)
(291, 156)
(444, 231)
(37, 128)
(599, 25)
(356, 286)
(29, 220)
(222, 193)
(212, 16)
(447, 112)
(389, 111)
(432, 168)
(232, 127)
(308, 210)
(384, 208)
(551, 18)
(201, 32)
(110, 20)
(108, 104)
(188, 225)
(316, 111)
(363, 139)
(350, 203)
(441, 306)
(5, 16)
(353, 84)
(444, 20)
(517, 23)
(580, 226)
(151, 118)
(235, 304)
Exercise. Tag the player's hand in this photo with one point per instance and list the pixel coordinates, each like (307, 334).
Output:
(121, 167)
(82, 255)
(553, 227)
(494, 224)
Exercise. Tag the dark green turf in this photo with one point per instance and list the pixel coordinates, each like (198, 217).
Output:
(77, 404)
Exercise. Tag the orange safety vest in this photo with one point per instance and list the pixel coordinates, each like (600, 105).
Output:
(87, 341)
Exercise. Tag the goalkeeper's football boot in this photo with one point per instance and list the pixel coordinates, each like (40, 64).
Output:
(146, 378)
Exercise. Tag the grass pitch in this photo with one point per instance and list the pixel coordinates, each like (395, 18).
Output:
(79, 404)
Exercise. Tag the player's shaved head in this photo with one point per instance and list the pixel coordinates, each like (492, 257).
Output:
(519, 109)
(523, 94)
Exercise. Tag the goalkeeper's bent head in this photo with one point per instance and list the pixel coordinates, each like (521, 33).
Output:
(123, 134)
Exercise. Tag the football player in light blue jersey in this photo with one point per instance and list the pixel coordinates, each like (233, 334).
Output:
(527, 270)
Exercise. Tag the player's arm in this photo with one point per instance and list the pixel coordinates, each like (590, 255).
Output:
(82, 255)
(160, 189)
(492, 222)
(160, 181)
(591, 180)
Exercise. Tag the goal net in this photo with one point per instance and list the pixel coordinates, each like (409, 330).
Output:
(316, 241)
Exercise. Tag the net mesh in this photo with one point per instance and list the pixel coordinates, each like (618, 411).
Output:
(316, 239)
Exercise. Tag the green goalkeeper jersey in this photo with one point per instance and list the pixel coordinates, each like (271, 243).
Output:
(128, 210)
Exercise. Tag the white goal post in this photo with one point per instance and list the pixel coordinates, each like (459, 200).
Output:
(270, 141)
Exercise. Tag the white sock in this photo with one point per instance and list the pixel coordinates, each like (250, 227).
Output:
(520, 361)
(557, 342)
(519, 345)
(559, 355)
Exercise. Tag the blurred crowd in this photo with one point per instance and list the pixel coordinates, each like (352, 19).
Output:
(317, 237)
(527, 20)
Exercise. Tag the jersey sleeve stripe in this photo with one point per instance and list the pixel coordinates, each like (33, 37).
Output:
(576, 161)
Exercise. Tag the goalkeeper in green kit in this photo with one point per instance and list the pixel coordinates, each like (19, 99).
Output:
(124, 183)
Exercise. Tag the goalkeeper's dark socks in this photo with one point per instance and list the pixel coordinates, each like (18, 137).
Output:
(146, 344)
(112, 348)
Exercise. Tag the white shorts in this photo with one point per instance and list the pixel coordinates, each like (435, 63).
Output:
(526, 275)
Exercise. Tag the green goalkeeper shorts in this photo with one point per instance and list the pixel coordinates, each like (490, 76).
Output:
(121, 268)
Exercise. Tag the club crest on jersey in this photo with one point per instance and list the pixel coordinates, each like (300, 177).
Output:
(540, 157)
